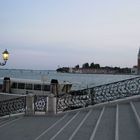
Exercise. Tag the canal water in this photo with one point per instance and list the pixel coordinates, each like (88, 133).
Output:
(79, 81)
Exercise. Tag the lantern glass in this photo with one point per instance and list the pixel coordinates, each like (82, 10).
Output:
(5, 55)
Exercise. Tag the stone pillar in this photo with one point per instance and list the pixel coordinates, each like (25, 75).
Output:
(51, 104)
(29, 105)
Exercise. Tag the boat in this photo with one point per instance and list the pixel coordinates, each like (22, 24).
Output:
(36, 87)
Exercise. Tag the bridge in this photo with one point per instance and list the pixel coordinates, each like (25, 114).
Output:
(109, 112)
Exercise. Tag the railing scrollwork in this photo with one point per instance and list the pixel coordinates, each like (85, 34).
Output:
(99, 94)
(40, 103)
(12, 106)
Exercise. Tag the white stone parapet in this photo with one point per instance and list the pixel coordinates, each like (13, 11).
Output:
(51, 104)
(29, 105)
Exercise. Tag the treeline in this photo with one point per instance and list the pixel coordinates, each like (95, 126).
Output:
(87, 65)
(63, 69)
(97, 66)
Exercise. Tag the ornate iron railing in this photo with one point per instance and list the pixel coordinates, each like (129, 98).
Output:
(73, 100)
(40, 103)
(99, 94)
(116, 90)
(12, 106)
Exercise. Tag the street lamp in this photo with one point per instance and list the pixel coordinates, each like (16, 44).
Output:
(5, 56)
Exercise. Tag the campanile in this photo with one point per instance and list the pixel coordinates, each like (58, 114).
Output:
(139, 62)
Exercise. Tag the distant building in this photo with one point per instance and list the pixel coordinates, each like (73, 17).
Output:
(92, 71)
(134, 70)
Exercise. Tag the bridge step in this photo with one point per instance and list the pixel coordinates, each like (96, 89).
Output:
(112, 122)
(137, 117)
(128, 127)
(106, 128)
(137, 106)
(85, 129)
(116, 122)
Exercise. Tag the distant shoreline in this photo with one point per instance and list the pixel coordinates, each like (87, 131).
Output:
(113, 71)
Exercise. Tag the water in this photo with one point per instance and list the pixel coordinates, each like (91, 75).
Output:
(79, 81)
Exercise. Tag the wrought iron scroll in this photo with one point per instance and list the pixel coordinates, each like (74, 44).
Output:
(116, 90)
(40, 103)
(99, 94)
(12, 106)
(73, 100)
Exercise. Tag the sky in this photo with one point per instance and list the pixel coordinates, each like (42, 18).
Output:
(47, 34)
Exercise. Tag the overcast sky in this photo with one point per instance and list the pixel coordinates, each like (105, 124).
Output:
(45, 34)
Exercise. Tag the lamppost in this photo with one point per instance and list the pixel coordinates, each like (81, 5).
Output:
(5, 56)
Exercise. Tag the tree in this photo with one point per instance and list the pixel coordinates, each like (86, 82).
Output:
(92, 65)
(96, 66)
(85, 65)
(77, 66)
(63, 69)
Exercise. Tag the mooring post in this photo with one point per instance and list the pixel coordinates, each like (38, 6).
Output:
(6, 85)
(29, 105)
(54, 87)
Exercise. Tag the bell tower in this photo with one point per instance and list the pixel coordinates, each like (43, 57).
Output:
(138, 62)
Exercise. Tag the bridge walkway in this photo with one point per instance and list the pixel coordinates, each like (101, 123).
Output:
(116, 120)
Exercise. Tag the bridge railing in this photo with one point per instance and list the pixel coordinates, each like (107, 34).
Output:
(116, 90)
(27, 104)
(11, 104)
(99, 94)
(40, 103)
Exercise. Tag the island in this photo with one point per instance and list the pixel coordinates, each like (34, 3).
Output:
(94, 69)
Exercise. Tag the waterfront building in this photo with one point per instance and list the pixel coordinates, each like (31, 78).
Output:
(92, 71)
(134, 70)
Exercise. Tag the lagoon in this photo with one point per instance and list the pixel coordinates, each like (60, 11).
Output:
(79, 81)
